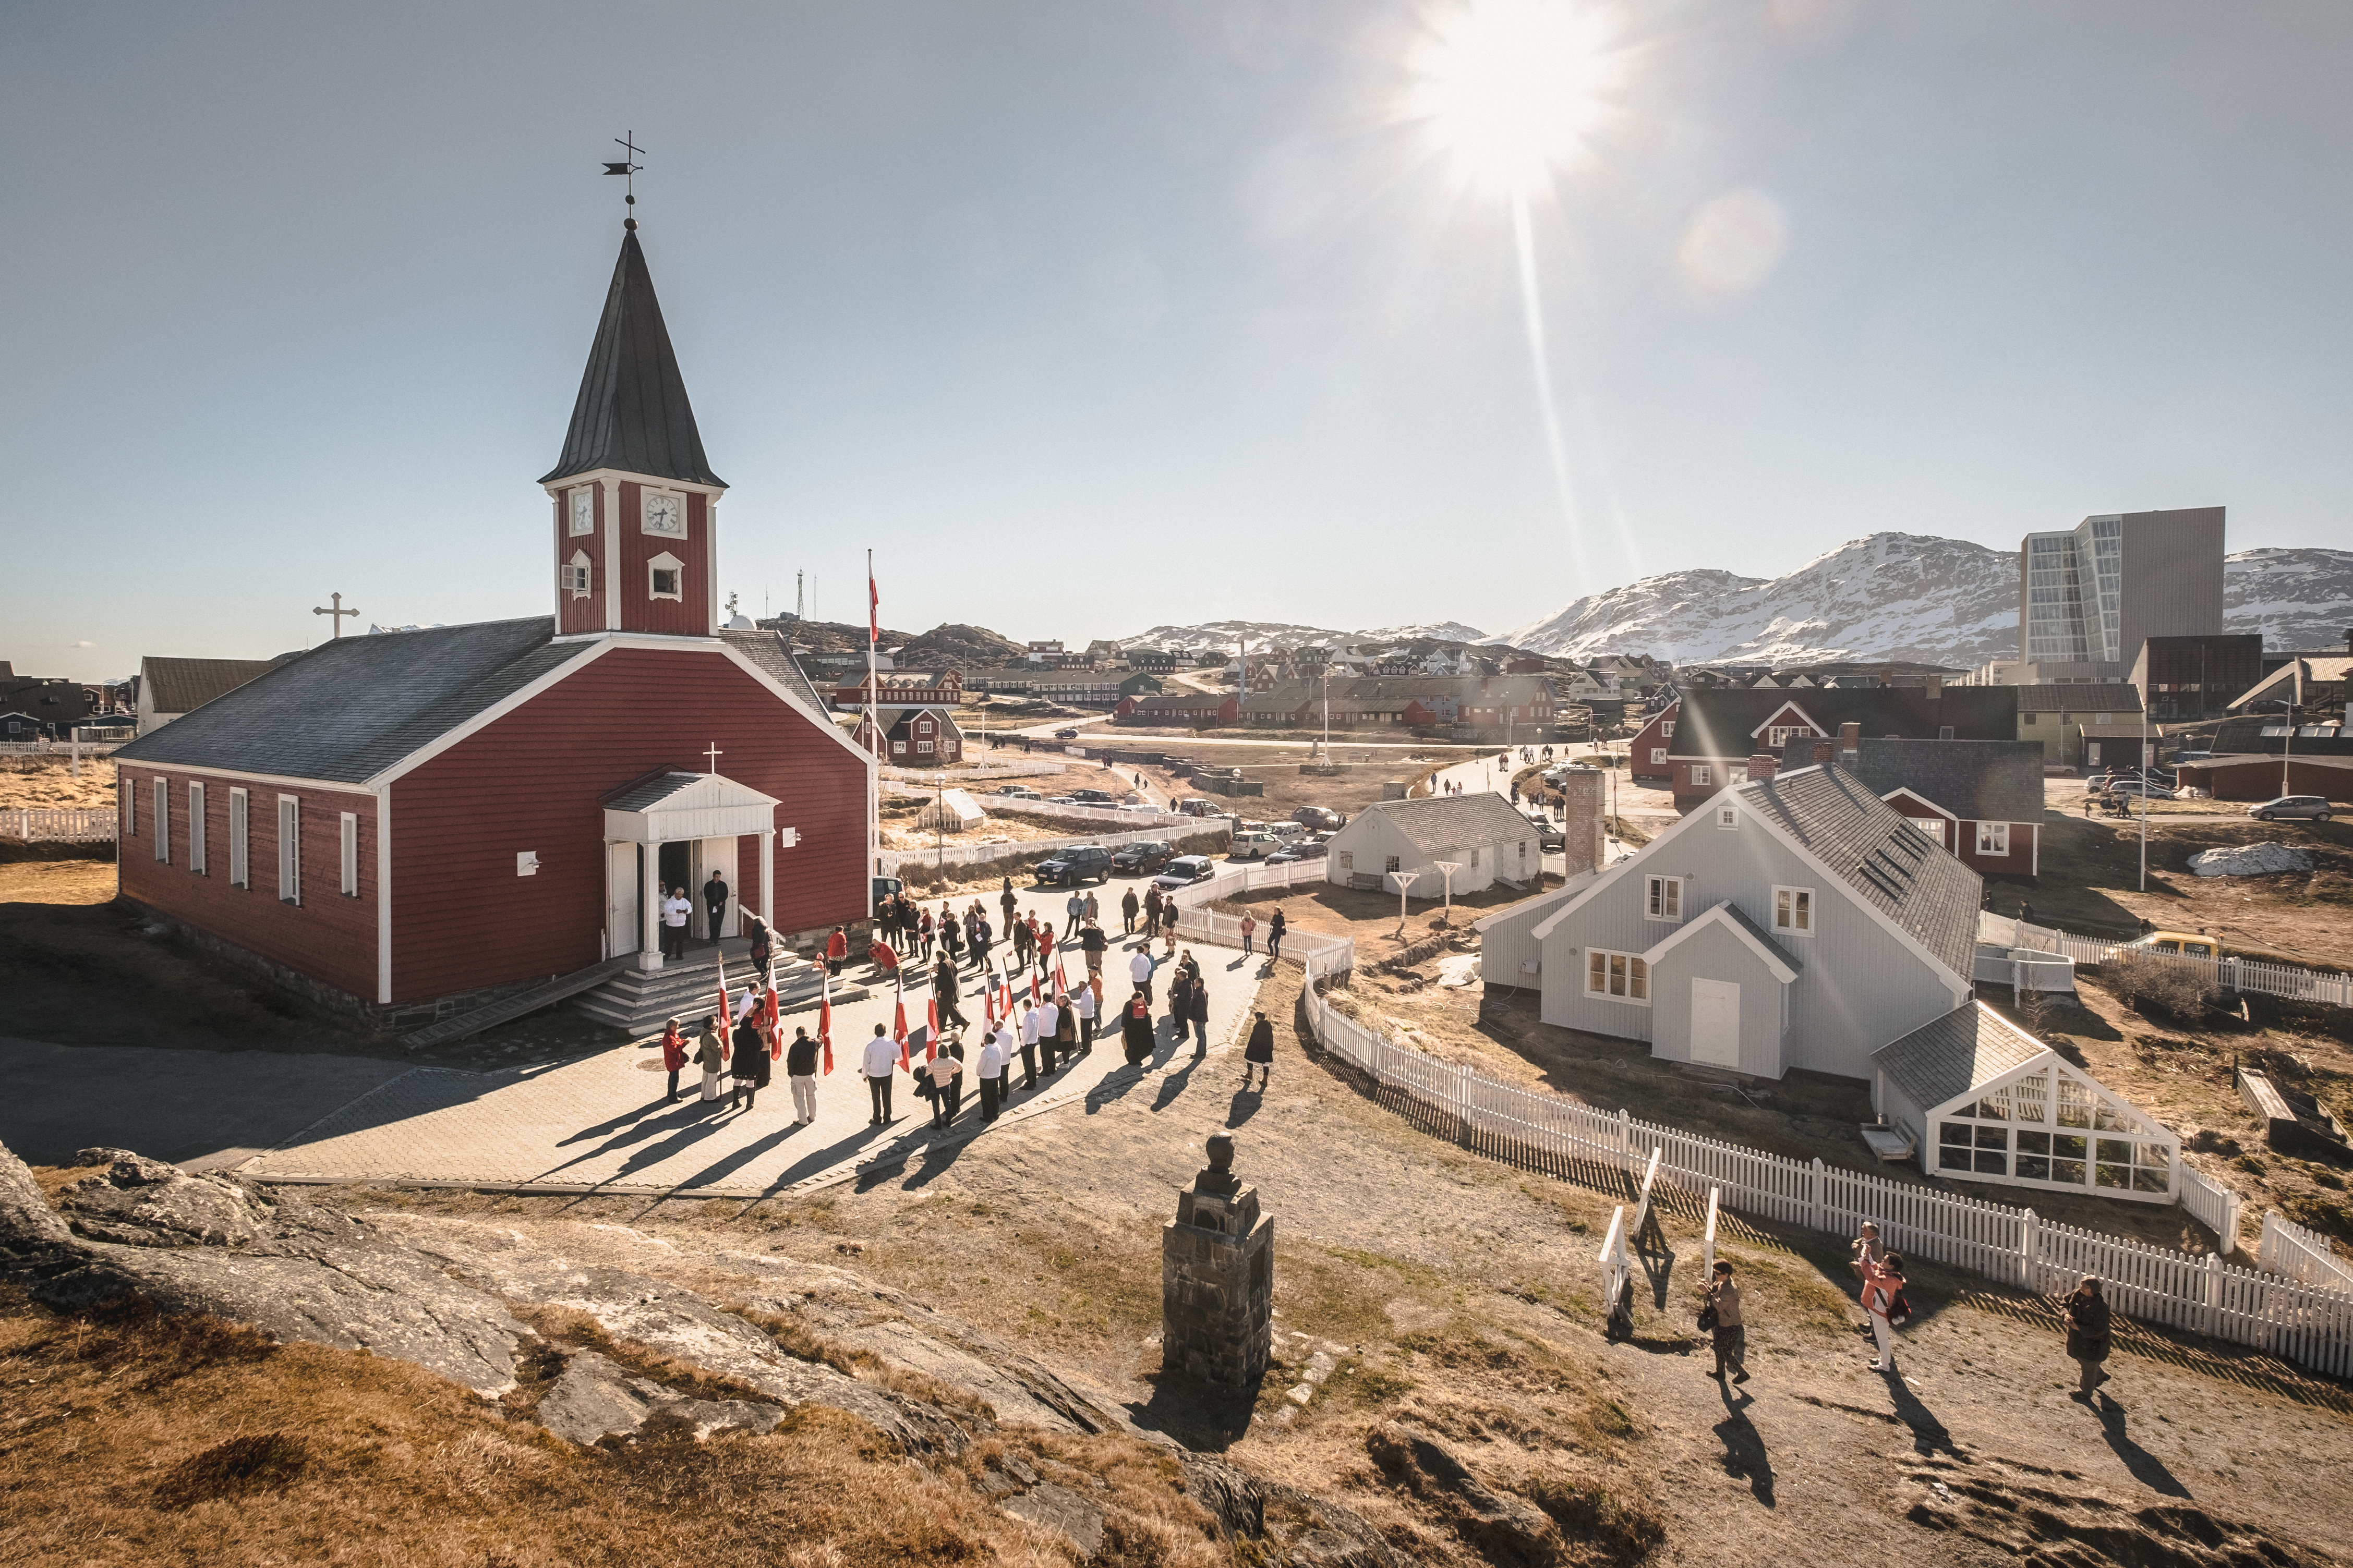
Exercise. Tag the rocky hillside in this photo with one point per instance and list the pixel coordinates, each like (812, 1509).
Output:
(2297, 598)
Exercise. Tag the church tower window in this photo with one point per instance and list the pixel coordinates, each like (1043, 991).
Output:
(575, 575)
(665, 577)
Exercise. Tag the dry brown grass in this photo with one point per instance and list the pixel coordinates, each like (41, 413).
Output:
(46, 783)
(139, 1440)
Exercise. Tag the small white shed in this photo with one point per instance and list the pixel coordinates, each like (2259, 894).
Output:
(1482, 835)
(953, 811)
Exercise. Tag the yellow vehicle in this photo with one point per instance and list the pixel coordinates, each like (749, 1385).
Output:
(2179, 943)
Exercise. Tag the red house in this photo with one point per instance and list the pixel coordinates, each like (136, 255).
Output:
(414, 821)
(1647, 759)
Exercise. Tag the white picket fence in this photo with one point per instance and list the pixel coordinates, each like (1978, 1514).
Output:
(2289, 1318)
(2287, 980)
(2303, 1255)
(960, 853)
(93, 825)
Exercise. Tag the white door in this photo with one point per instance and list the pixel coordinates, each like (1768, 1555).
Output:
(715, 854)
(620, 899)
(1715, 1022)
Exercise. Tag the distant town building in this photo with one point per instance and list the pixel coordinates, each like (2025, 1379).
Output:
(913, 737)
(171, 687)
(2090, 595)
(1716, 732)
(2056, 716)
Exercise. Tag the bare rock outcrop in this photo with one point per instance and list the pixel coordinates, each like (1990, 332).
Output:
(596, 1398)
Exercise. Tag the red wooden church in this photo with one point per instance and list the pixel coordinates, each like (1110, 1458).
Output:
(415, 819)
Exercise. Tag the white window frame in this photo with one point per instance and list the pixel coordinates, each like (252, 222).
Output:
(1621, 976)
(348, 854)
(126, 786)
(289, 849)
(1702, 775)
(196, 828)
(646, 499)
(1667, 729)
(1393, 864)
(665, 561)
(239, 839)
(577, 524)
(580, 574)
(1727, 817)
(924, 748)
(1793, 911)
(164, 819)
(1658, 756)
(1662, 899)
(1347, 859)
(1993, 839)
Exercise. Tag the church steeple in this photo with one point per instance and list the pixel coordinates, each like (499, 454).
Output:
(637, 506)
(632, 412)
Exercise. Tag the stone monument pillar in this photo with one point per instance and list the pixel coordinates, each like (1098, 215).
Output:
(1217, 1279)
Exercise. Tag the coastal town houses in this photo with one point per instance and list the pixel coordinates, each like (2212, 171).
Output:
(414, 822)
(1716, 731)
(1480, 837)
(1980, 800)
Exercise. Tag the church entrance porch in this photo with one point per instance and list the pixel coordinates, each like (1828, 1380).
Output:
(674, 829)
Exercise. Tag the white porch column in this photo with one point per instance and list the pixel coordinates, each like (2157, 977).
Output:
(650, 900)
(768, 878)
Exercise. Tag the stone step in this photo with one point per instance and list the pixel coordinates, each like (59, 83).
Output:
(641, 1000)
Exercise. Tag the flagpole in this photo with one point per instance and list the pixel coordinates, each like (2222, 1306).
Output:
(873, 727)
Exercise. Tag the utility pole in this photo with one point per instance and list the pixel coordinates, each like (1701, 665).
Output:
(2144, 771)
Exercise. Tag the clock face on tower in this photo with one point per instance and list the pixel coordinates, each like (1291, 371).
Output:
(665, 514)
(583, 510)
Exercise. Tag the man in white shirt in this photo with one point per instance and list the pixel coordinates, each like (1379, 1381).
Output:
(991, 1069)
(674, 910)
(880, 1061)
(1029, 1047)
(1049, 1018)
(1083, 1005)
(1139, 969)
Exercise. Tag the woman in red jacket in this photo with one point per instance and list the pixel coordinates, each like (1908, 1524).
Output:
(673, 1054)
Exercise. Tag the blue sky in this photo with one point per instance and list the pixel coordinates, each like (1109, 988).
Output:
(1088, 316)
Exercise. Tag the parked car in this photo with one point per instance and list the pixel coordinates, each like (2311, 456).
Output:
(1094, 797)
(2193, 756)
(2142, 787)
(883, 887)
(1319, 817)
(2313, 806)
(1061, 800)
(1142, 859)
(2174, 942)
(1253, 845)
(1299, 849)
(1184, 871)
(1193, 805)
(1551, 836)
(1018, 792)
(1066, 734)
(1079, 863)
(1287, 829)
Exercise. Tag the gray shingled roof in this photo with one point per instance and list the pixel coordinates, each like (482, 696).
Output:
(183, 685)
(2078, 698)
(1454, 821)
(1873, 849)
(1711, 723)
(350, 708)
(774, 654)
(647, 794)
(1978, 780)
(632, 412)
(1944, 1058)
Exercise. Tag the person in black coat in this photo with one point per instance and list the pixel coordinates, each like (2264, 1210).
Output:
(1196, 1009)
(1136, 1029)
(945, 987)
(750, 1065)
(2088, 1324)
(714, 903)
(1259, 1053)
(1275, 926)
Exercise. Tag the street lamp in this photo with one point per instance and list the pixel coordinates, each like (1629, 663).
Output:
(1447, 869)
(1404, 879)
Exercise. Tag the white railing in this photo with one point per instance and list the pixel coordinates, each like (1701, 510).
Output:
(93, 825)
(2302, 1255)
(2297, 1321)
(2210, 1203)
(956, 776)
(970, 854)
(2258, 975)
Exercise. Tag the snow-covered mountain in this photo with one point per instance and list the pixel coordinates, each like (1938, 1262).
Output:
(2300, 599)
(1223, 636)
(1435, 631)
(1889, 596)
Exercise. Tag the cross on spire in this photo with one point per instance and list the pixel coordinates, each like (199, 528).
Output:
(338, 612)
(714, 753)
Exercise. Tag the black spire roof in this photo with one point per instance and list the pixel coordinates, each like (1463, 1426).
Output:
(632, 412)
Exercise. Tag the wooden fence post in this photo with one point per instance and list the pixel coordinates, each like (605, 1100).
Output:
(1625, 1142)
(2030, 1236)
(2213, 1324)
(2230, 1226)
(1814, 1195)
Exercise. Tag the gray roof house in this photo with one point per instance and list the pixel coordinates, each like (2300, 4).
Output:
(1481, 835)
(171, 687)
(1794, 922)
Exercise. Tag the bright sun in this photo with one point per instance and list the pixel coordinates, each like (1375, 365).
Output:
(1513, 89)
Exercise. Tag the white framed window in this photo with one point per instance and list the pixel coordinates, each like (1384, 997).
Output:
(1392, 864)
(348, 854)
(163, 820)
(1793, 911)
(1702, 774)
(1658, 756)
(1993, 837)
(924, 748)
(239, 876)
(665, 577)
(289, 849)
(897, 748)
(577, 574)
(664, 512)
(127, 789)
(1474, 859)
(1621, 976)
(1347, 859)
(196, 828)
(1728, 816)
(1667, 729)
(1662, 898)
(582, 504)
(1934, 826)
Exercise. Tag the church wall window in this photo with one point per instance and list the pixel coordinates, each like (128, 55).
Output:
(163, 820)
(348, 856)
(196, 828)
(289, 849)
(665, 577)
(577, 574)
(238, 875)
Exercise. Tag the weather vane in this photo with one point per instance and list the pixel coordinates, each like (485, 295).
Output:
(629, 172)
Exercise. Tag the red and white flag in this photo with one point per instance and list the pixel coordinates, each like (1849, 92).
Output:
(989, 1003)
(825, 1019)
(1061, 981)
(772, 1020)
(873, 610)
(932, 1025)
(899, 1023)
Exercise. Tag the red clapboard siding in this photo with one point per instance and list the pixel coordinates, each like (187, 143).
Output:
(329, 936)
(576, 616)
(689, 616)
(2018, 862)
(531, 780)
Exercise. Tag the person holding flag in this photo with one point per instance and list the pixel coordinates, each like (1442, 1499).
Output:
(898, 1025)
(800, 1070)
(881, 1059)
(824, 1021)
(991, 1069)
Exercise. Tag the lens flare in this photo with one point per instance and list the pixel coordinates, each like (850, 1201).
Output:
(1514, 90)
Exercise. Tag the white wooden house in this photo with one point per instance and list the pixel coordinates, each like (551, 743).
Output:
(1481, 835)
